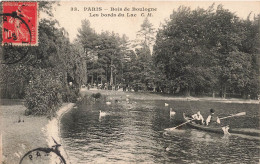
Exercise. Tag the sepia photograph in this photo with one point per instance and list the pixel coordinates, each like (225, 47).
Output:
(129, 82)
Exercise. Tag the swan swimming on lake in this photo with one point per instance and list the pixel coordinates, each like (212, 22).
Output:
(165, 104)
(108, 103)
(102, 114)
(172, 113)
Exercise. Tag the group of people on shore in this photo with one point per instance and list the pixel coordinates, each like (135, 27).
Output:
(104, 86)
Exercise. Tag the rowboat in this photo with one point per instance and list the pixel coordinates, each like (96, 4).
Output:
(192, 124)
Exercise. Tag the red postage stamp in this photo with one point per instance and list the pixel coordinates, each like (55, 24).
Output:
(20, 23)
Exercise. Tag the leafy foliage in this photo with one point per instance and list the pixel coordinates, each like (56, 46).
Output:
(96, 95)
(13, 81)
(43, 95)
(103, 53)
(206, 50)
(43, 77)
(140, 72)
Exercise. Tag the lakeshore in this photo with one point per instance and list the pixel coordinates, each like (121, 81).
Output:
(120, 95)
(53, 129)
(21, 133)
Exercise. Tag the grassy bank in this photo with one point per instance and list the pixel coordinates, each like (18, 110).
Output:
(22, 133)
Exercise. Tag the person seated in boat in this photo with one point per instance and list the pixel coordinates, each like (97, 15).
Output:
(198, 118)
(212, 119)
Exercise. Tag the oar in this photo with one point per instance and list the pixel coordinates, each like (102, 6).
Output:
(234, 115)
(167, 129)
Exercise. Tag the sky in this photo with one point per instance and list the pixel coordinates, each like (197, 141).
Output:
(129, 25)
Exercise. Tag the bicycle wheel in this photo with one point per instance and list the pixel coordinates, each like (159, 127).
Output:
(42, 156)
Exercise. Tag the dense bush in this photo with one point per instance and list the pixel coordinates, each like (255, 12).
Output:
(96, 95)
(70, 95)
(13, 81)
(43, 95)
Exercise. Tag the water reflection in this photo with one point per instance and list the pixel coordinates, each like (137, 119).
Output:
(134, 134)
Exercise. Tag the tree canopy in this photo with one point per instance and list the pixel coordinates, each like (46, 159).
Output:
(43, 75)
(207, 50)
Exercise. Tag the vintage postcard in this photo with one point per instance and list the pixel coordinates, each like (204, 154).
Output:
(129, 82)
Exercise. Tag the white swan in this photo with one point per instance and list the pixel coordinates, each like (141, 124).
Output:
(172, 113)
(108, 103)
(165, 104)
(102, 114)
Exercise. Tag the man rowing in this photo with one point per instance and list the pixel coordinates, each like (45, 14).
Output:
(215, 121)
(212, 119)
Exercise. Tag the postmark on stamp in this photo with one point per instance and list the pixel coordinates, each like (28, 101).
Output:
(19, 24)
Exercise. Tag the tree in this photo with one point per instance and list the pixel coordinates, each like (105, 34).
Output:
(43, 76)
(205, 50)
(53, 64)
(104, 54)
(141, 73)
(180, 47)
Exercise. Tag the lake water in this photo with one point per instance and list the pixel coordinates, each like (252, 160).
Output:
(133, 133)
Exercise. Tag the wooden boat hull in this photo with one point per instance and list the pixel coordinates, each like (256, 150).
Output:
(205, 128)
(250, 132)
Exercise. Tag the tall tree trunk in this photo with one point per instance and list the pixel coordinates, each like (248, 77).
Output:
(85, 71)
(187, 91)
(224, 91)
(106, 74)
(111, 75)
(92, 73)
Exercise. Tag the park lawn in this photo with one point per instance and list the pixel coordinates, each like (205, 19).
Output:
(19, 138)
